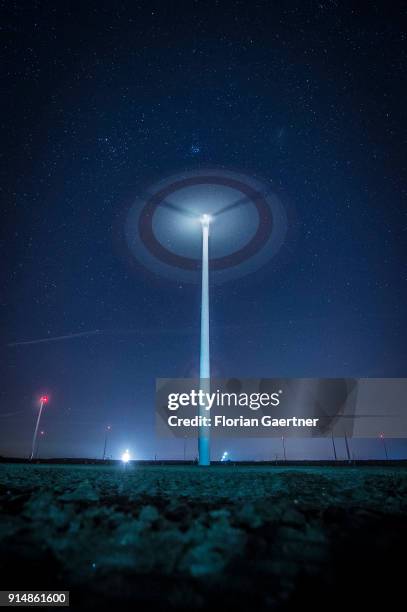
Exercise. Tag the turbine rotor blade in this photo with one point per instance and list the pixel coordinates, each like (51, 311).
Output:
(178, 209)
(231, 206)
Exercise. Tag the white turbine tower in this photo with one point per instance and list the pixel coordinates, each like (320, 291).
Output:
(204, 365)
(43, 400)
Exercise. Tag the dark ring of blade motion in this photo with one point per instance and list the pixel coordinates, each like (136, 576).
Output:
(219, 263)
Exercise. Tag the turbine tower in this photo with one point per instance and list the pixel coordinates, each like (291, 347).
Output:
(43, 400)
(204, 365)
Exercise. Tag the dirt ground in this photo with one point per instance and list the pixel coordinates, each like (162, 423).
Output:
(179, 537)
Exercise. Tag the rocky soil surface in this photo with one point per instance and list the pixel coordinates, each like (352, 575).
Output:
(188, 537)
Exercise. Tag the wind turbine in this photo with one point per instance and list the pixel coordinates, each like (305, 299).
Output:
(209, 225)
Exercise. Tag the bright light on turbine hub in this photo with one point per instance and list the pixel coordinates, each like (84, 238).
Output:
(205, 220)
(126, 456)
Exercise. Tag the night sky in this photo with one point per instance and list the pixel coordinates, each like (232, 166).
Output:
(101, 100)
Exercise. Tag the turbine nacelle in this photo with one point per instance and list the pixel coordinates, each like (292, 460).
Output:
(205, 220)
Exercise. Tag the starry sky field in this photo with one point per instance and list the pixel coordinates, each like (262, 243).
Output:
(101, 100)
